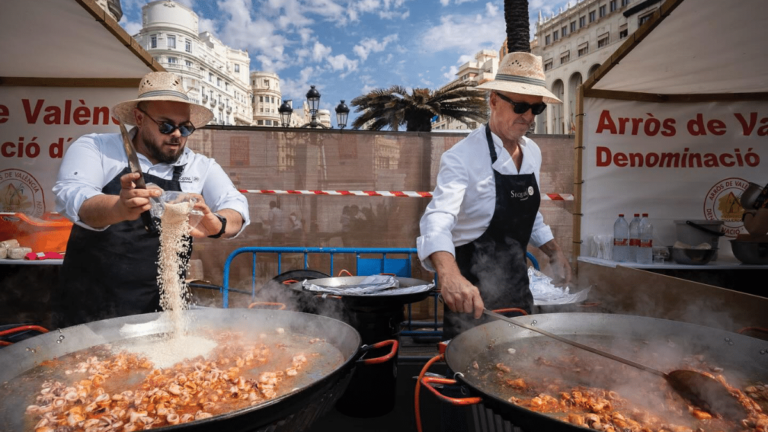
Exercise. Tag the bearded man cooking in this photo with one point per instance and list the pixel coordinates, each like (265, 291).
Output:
(110, 268)
(485, 207)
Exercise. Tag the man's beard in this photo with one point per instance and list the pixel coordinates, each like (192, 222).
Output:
(155, 151)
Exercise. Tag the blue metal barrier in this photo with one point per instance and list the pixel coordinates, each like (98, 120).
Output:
(365, 266)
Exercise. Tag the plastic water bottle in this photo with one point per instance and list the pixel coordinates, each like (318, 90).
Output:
(621, 239)
(634, 237)
(645, 251)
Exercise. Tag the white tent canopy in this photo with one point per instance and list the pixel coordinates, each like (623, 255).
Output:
(701, 47)
(67, 39)
(673, 123)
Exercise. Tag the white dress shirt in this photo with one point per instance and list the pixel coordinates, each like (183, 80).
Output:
(95, 159)
(464, 199)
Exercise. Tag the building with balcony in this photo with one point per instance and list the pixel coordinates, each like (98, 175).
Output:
(214, 74)
(574, 43)
(483, 68)
(265, 88)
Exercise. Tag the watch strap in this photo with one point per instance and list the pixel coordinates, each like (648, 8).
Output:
(223, 226)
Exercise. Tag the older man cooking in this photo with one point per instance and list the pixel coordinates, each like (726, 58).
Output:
(485, 207)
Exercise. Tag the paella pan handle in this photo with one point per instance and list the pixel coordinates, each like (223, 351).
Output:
(19, 329)
(255, 304)
(342, 271)
(377, 360)
(427, 382)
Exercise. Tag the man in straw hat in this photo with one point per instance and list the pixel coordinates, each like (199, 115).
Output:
(485, 207)
(110, 268)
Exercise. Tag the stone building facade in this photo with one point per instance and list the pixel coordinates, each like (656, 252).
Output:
(574, 43)
(214, 74)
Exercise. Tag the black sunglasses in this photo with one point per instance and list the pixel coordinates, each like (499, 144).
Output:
(167, 128)
(523, 107)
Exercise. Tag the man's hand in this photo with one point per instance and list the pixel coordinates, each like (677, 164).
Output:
(133, 202)
(208, 224)
(561, 269)
(458, 294)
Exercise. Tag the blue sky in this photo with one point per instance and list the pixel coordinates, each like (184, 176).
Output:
(349, 47)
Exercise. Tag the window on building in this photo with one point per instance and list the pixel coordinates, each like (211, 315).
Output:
(623, 32)
(592, 16)
(172, 42)
(602, 11)
(266, 82)
(261, 98)
(237, 68)
(613, 5)
(268, 122)
(188, 46)
(253, 82)
(583, 50)
(624, 3)
(188, 63)
(563, 31)
(548, 65)
(260, 122)
(603, 41)
(226, 86)
(218, 82)
(565, 58)
(642, 20)
(153, 41)
(582, 21)
(210, 77)
(548, 40)
(556, 36)
(173, 60)
(573, 26)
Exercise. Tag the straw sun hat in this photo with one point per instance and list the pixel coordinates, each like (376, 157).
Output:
(162, 86)
(521, 73)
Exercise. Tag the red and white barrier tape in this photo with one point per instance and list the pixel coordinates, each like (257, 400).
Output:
(409, 194)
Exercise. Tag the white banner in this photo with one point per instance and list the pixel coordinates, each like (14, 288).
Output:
(37, 125)
(674, 161)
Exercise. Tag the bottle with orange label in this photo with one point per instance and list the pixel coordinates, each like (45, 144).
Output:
(645, 251)
(621, 239)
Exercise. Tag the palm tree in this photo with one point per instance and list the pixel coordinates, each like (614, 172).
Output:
(394, 107)
(518, 26)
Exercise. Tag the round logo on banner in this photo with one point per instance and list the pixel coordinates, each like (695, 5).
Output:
(722, 203)
(20, 192)
(530, 190)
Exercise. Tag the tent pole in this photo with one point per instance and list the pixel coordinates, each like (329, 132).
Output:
(578, 178)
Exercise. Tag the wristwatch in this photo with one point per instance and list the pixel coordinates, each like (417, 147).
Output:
(223, 226)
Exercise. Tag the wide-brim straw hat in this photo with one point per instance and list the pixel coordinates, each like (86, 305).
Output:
(521, 73)
(162, 86)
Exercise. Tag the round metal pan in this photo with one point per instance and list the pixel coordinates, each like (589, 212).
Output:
(744, 356)
(292, 411)
(367, 301)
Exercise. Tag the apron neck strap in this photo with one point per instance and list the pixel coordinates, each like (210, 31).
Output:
(177, 170)
(491, 147)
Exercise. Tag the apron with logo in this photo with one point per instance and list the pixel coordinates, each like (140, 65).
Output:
(111, 273)
(495, 262)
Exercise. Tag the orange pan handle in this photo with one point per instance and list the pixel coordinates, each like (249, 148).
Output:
(382, 344)
(508, 310)
(755, 329)
(327, 296)
(345, 271)
(23, 328)
(289, 281)
(427, 382)
(281, 305)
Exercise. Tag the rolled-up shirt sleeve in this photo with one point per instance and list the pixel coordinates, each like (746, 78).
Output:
(80, 178)
(220, 193)
(442, 212)
(541, 232)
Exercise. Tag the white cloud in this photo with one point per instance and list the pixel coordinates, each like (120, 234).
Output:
(491, 10)
(131, 27)
(369, 45)
(341, 62)
(296, 89)
(445, 2)
(367, 89)
(320, 51)
(451, 74)
(465, 33)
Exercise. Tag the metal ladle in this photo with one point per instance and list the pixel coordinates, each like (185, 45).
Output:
(702, 391)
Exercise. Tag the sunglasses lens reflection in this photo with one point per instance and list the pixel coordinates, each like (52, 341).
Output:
(185, 130)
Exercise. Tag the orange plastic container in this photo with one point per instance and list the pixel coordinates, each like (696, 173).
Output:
(47, 234)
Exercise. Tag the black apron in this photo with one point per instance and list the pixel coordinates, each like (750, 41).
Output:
(111, 273)
(495, 262)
